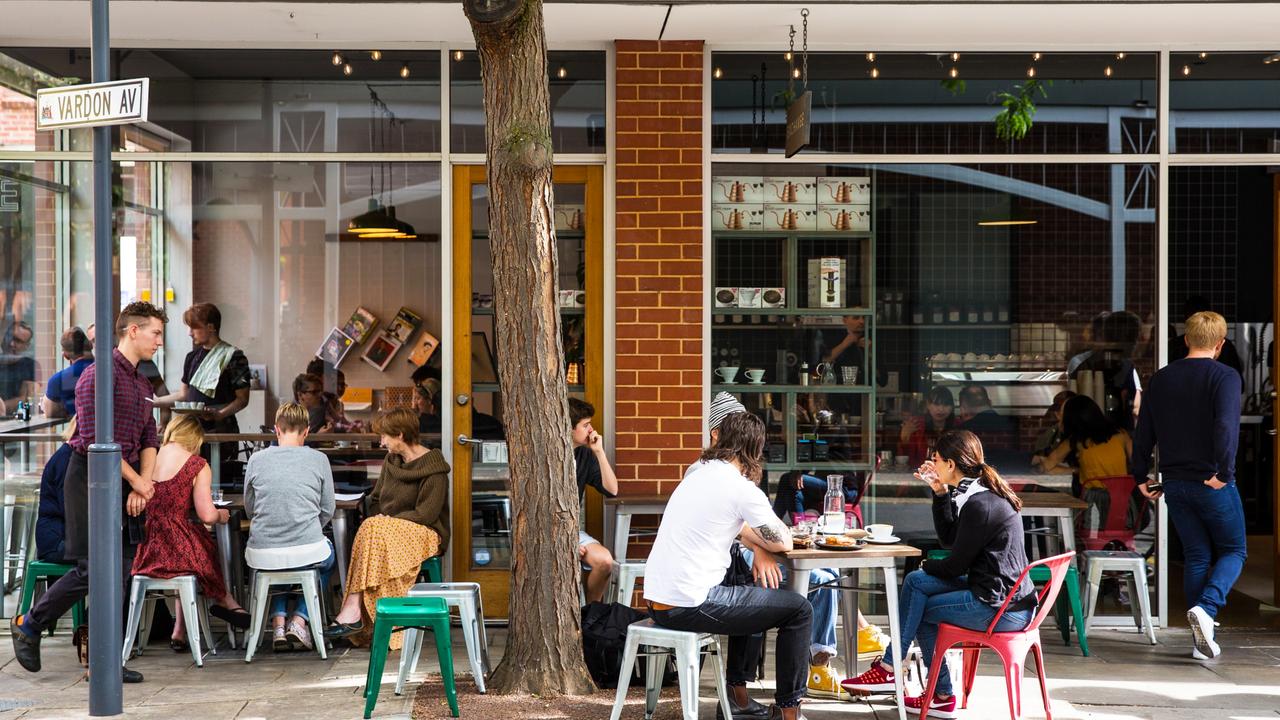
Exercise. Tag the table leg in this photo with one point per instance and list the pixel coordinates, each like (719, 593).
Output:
(798, 581)
(215, 464)
(849, 621)
(340, 545)
(621, 534)
(1067, 526)
(895, 633)
(222, 533)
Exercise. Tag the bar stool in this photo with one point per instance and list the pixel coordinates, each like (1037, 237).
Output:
(624, 577)
(466, 597)
(685, 646)
(1135, 568)
(193, 612)
(38, 571)
(432, 570)
(409, 612)
(263, 581)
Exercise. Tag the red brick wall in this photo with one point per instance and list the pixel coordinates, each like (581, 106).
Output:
(659, 262)
(17, 120)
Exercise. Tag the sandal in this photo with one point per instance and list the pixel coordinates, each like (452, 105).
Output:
(341, 630)
(179, 646)
(238, 618)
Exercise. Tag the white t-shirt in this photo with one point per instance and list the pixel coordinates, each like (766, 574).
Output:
(703, 517)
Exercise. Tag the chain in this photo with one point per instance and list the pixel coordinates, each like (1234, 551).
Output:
(791, 62)
(804, 47)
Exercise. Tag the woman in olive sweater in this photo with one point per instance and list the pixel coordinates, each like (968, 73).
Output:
(408, 523)
(976, 515)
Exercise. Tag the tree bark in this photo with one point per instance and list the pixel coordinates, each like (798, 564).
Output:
(544, 644)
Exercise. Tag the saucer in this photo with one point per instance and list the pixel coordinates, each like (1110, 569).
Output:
(883, 541)
(754, 382)
(728, 382)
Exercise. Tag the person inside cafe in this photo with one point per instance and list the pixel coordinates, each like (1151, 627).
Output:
(308, 391)
(177, 542)
(1052, 435)
(335, 386)
(51, 525)
(140, 333)
(999, 434)
(17, 367)
(424, 403)
(594, 470)
(288, 499)
(1101, 450)
(976, 517)
(714, 504)
(1178, 347)
(59, 399)
(919, 432)
(408, 523)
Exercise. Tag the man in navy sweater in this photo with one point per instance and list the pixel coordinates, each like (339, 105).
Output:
(1191, 411)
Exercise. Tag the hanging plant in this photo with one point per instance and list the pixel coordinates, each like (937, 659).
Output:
(1015, 120)
(955, 86)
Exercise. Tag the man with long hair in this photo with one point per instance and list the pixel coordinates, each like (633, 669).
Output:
(712, 506)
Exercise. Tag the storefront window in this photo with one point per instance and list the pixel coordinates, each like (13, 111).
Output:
(919, 103)
(1224, 102)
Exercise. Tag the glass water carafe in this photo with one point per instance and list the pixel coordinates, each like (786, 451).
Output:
(833, 505)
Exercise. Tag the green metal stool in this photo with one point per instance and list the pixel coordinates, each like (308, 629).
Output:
(433, 569)
(409, 612)
(1067, 607)
(34, 572)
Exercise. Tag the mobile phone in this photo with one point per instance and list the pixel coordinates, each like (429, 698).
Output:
(1155, 486)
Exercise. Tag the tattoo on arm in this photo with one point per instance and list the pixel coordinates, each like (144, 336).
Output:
(770, 533)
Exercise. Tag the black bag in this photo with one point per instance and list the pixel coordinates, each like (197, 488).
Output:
(604, 638)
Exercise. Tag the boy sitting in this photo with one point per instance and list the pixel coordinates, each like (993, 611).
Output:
(593, 470)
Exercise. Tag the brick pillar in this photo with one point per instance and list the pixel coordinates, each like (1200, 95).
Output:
(659, 262)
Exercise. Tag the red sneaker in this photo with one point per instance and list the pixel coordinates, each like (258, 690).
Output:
(876, 679)
(937, 709)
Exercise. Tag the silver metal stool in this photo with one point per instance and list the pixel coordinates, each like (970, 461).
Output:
(624, 577)
(466, 597)
(263, 581)
(685, 646)
(1135, 567)
(193, 612)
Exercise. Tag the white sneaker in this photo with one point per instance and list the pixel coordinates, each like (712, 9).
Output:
(1202, 632)
(1197, 655)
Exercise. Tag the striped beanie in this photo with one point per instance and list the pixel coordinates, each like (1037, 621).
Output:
(722, 406)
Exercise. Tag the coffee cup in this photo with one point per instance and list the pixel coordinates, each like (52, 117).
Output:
(755, 375)
(880, 531)
(727, 373)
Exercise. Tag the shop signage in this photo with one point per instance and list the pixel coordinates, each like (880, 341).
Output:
(798, 115)
(118, 102)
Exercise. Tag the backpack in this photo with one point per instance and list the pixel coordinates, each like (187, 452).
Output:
(604, 637)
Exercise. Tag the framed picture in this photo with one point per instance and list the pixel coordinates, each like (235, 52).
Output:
(335, 347)
(484, 366)
(360, 326)
(380, 351)
(258, 377)
(422, 350)
(405, 324)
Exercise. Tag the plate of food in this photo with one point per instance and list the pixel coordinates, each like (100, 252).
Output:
(802, 541)
(857, 533)
(837, 542)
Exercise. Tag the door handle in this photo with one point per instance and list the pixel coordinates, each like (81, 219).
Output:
(464, 440)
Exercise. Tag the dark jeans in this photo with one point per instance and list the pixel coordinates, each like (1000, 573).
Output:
(70, 589)
(745, 610)
(1210, 524)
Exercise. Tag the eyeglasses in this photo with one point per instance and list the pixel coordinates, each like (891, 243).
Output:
(309, 391)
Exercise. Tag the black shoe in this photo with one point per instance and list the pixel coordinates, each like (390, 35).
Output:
(25, 647)
(238, 618)
(341, 630)
(179, 646)
(130, 676)
(751, 711)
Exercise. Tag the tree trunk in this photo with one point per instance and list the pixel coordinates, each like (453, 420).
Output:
(544, 644)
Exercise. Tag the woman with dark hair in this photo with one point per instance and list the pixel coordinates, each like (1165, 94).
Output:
(1101, 450)
(921, 431)
(976, 515)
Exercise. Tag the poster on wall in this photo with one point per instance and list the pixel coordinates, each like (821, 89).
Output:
(405, 324)
(422, 350)
(381, 350)
(335, 347)
(360, 326)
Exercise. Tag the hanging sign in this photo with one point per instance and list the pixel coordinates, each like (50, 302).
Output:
(799, 113)
(119, 102)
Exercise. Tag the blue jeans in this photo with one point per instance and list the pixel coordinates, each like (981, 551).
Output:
(823, 600)
(926, 601)
(280, 603)
(1210, 524)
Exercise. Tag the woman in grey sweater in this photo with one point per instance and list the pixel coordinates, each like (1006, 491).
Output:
(288, 496)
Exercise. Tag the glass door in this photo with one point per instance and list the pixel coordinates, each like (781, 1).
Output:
(482, 549)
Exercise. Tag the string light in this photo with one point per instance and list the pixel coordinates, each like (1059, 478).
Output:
(787, 56)
(562, 73)
(1186, 70)
(871, 57)
(375, 55)
(796, 73)
(457, 55)
(1204, 55)
(955, 72)
(875, 73)
(1035, 57)
(404, 70)
(1120, 56)
(1031, 72)
(347, 69)
(955, 56)
(337, 58)
(717, 73)
(1107, 71)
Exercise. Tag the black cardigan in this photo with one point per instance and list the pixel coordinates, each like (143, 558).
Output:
(986, 544)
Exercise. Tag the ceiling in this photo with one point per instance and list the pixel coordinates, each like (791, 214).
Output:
(886, 26)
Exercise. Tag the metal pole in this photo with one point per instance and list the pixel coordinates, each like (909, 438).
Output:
(106, 694)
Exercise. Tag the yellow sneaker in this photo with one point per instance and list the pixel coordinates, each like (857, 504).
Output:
(871, 642)
(825, 683)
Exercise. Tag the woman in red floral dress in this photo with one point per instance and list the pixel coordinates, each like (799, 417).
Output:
(177, 542)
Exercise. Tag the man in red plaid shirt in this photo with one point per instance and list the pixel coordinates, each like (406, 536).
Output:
(140, 333)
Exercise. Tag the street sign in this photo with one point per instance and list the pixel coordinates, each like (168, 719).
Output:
(119, 102)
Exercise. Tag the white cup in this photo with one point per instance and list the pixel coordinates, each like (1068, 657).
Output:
(727, 373)
(755, 375)
(880, 531)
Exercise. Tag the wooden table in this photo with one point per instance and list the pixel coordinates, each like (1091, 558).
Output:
(624, 506)
(847, 563)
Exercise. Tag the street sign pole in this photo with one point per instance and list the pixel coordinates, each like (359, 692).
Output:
(106, 588)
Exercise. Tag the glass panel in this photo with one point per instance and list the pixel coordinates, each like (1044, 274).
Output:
(274, 100)
(577, 101)
(912, 103)
(1224, 102)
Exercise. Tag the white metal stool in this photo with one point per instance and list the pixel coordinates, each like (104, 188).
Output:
(193, 612)
(1135, 566)
(466, 597)
(624, 577)
(685, 646)
(263, 581)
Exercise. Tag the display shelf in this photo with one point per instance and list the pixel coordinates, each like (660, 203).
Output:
(794, 389)
(951, 326)
(792, 234)
(796, 312)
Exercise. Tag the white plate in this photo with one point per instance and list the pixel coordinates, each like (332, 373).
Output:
(883, 541)
(222, 503)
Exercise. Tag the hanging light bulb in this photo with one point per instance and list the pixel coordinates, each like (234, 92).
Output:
(404, 70)
(1031, 72)
(1204, 55)
(954, 72)
(1107, 71)
(1035, 57)
(1120, 56)
(787, 56)
(347, 69)
(375, 55)
(795, 73)
(336, 59)
(1186, 70)
(457, 55)
(717, 73)
(871, 57)
(955, 56)
(875, 73)
(562, 73)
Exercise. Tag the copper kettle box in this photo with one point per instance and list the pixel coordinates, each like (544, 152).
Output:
(844, 218)
(790, 217)
(737, 217)
(737, 190)
(844, 191)
(791, 191)
(568, 216)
